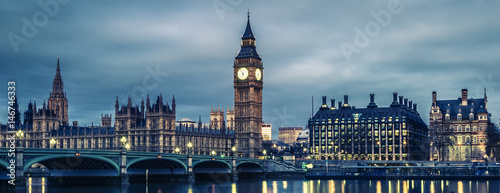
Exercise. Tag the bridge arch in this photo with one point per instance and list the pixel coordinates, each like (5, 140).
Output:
(156, 166)
(4, 164)
(249, 167)
(88, 165)
(211, 166)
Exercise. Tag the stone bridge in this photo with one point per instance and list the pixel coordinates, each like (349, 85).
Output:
(121, 164)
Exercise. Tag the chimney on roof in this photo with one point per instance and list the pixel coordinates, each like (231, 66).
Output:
(372, 101)
(346, 100)
(410, 105)
(340, 104)
(323, 104)
(405, 102)
(434, 98)
(415, 107)
(464, 97)
(395, 102)
(332, 106)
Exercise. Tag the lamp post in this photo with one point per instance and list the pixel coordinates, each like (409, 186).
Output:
(213, 153)
(124, 142)
(379, 151)
(177, 150)
(20, 135)
(52, 142)
(460, 150)
(264, 152)
(233, 149)
(190, 145)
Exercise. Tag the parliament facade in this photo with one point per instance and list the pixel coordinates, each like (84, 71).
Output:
(150, 126)
(345, 132)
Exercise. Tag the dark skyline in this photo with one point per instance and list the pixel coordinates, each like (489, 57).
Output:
(108, 49)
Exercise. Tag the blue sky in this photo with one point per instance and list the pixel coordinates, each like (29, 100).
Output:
(308, 48)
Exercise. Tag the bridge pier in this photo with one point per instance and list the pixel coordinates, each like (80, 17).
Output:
(123, 168)
(234, 172)
(190, 174)
(20, 179)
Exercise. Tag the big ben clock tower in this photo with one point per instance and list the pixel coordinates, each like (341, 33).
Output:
(248, 83)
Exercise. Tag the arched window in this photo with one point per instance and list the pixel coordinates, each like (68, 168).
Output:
(467, 128)
(447, 117)
(459, 117)
(460, 128)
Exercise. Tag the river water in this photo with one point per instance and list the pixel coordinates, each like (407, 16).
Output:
(279, 186)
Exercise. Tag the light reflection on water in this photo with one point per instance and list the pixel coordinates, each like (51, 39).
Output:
(272, 186)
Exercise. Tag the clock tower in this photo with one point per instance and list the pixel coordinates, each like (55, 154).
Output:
(248, 84)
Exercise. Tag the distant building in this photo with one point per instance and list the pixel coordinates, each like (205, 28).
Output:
(289, 134)
(373, 133)
(303, 136)
(267, 131)
(459, 128)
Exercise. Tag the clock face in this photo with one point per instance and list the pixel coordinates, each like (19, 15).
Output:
(242, 73)
(258, 74)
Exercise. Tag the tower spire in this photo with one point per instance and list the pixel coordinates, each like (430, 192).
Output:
(58, 70)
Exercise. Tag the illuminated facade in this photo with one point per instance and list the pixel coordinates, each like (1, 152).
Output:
(289, 134)
(150, 126)
(267, 132)
(248, 85)
(372, 133)
(459, 128)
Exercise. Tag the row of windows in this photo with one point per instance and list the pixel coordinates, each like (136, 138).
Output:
(461, 128)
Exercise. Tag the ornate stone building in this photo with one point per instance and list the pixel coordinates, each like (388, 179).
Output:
(459, 128)
(149, 127)
(373, 133)
(248, 84)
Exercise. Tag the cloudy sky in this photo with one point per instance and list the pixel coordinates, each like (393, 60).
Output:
(309, 48)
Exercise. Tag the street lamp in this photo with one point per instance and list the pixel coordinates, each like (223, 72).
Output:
(124, 142)
(213, 153)
(127, 146)
(52, 142)
(177, 150)
(190, 145)
(264, 152)
(460, 150)
(233, 149)
(20, 135)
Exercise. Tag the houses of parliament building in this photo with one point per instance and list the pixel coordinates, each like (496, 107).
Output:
(151, 125)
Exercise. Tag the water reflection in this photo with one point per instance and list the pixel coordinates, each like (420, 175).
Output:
(39, 184)
(379, 187)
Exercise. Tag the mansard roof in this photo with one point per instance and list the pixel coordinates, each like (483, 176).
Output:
(397, 110)
(453, 107)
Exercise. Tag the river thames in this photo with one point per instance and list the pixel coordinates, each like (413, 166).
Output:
(278, 186)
